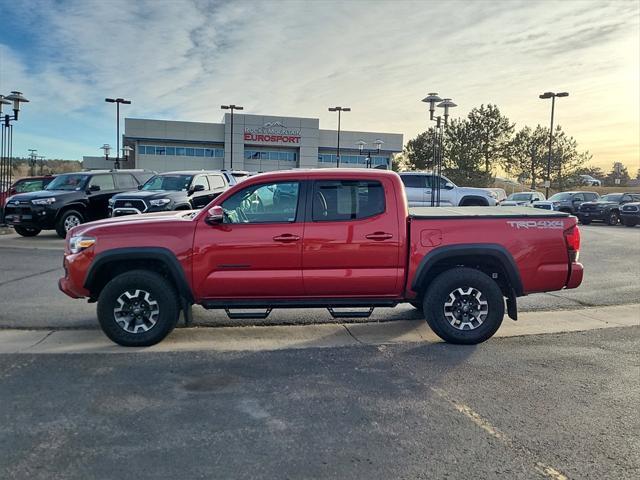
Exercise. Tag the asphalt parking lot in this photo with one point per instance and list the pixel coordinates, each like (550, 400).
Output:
(30, 268)
(558, 406)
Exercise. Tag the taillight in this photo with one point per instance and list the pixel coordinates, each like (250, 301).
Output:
(572, 237)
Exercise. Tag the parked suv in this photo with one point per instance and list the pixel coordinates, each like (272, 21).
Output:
(606, 209)
(172, 191)
(567, 202)
(69, 200)
(419, 189)
(522, 199)
(630, 214)
(23, 185)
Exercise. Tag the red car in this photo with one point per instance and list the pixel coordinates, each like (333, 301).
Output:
(24, 185)
(331, 238)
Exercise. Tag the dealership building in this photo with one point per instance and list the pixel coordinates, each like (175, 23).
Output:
(259, 143)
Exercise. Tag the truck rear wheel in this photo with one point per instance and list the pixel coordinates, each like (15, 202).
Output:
(464, 306)
(138, 308)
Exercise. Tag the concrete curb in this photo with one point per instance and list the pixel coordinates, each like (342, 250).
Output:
(309, 336)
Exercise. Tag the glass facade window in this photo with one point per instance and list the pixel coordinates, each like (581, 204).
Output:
(353, 159)
(171, 150)
(181, 151)
(190, 152)
(270, 155)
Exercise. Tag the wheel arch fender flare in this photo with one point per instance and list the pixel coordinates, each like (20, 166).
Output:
(494, 251)
(77, 205)
(163, 255)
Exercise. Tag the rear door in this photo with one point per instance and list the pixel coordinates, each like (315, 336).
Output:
(257, 251)
(351, 239)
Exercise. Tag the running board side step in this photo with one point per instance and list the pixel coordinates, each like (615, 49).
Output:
(248, 315)
(351, 314)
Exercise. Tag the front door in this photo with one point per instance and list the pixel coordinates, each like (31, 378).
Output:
(100, 189)
(257, 251)
(352, 242)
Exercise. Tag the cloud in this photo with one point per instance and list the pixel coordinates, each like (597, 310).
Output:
(182, 59)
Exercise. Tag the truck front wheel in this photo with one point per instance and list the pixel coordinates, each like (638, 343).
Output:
(138, 308)
(464, 306)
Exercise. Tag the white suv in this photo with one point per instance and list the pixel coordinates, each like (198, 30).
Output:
(419, 188)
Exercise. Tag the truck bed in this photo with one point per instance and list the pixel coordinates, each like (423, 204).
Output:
(480, 212)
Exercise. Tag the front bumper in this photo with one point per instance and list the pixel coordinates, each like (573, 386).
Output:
(75, 267)
(593, 215)
(40, 217)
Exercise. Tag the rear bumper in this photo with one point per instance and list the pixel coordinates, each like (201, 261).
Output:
(575, 275)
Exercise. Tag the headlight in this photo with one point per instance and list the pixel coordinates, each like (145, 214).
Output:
(44, 201)
(111, 202)
(77, 244)
(160, 202)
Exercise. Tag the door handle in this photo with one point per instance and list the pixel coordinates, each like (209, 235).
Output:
(286, 237)
(379, 236)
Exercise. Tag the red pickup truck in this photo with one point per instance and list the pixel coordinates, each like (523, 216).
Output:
(334, 238)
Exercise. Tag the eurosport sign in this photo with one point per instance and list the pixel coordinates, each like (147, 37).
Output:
(272, 132)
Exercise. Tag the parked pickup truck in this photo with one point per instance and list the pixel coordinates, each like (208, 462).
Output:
(332, 238)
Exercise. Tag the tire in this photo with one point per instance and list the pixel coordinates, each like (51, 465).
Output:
(613, 218)
(629, 222)
(585, 221)
(26, 231)
(464, 284)
(68, 220)
(142, 293)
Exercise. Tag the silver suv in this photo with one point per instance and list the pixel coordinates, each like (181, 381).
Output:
(419, 188)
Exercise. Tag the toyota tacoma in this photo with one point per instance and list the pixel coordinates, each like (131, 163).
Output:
(336, 238)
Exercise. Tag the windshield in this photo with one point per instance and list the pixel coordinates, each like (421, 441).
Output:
(558, 197)
(519, 196)
(612, 197)
(69, 181)
(168, 182)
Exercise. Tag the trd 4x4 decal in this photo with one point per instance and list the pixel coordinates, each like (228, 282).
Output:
(536, 224)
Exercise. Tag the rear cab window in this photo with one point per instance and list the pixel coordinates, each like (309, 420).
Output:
(342, 200)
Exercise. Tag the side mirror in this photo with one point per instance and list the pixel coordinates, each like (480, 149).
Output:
(139, 187)
(215, 215)
(449, 186)
(94, 188)
(196, 188)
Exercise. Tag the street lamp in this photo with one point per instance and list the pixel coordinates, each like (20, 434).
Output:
(107, 149)
(339, 110)
(232, 108)
(438, 133)
(126, 151)
(6, 136)
(361, 144)
(117, 101)
(552, 96)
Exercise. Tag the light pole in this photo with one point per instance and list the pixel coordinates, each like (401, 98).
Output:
(438, 134)
(232, 108)
(33, 158)
(552, 96)
(361, 151)
(6, 136)
(41, 158)
(117, 101)
(339, 110)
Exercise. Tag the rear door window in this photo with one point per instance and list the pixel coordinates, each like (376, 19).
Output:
(105, 182)
(126, 181)
(216, 181)
(340, 200)
(413, 181)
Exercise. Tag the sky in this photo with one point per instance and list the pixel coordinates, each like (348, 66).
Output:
(182, 59)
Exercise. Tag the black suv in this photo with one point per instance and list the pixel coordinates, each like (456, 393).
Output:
(606, 209)
(69, 200)
(172, 191)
